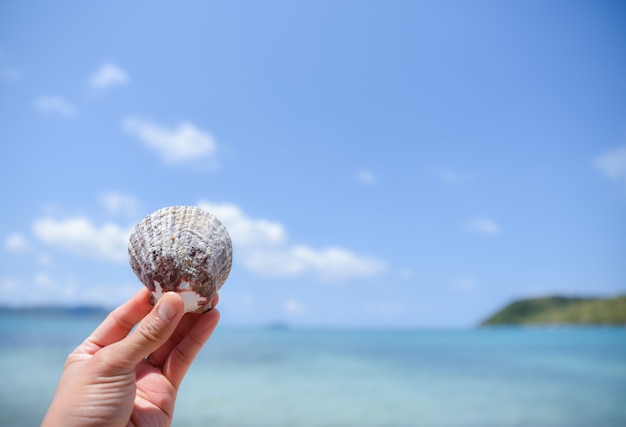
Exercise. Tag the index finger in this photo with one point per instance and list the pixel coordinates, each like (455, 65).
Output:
(120, 321)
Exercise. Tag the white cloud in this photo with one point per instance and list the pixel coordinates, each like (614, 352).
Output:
(245, 231)
(44, 289)
(119, 203)
(483, 226)
(262, 247)
(41, 289)
(16, 242)
(612, 163)
(330, 264)
(449, 176)
(10, 285)
(55, 104)
(185, 143)
(80, 236)
(465, 284)
(366, 177)
(293, 306)
(42, 280)
(108, 75)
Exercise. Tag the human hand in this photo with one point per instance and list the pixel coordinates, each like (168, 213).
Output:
(122, 378)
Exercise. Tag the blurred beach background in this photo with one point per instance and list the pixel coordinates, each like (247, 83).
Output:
(391, 174)
(522, 377)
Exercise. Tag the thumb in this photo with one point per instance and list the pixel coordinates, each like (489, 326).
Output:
(152, 332)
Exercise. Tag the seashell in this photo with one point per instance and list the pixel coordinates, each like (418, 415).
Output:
(183, 249)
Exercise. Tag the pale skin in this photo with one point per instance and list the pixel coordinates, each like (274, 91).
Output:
(121, 378)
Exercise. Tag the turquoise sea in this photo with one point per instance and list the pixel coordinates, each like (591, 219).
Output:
(535, 377)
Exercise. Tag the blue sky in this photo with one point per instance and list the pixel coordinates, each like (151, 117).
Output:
(406, 163)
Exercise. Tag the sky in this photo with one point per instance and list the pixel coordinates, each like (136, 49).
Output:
(377, 164)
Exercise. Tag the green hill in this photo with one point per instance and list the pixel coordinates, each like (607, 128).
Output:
(562, 310)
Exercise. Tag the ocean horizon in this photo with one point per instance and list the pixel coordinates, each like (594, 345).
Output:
(290, 376)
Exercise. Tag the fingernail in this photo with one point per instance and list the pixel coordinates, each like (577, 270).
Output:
(167, 307)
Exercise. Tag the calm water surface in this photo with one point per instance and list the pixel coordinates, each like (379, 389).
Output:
(260, 377)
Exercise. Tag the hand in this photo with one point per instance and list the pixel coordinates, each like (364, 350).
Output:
(122, 378)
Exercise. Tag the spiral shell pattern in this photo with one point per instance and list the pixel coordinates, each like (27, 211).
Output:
(183, 249)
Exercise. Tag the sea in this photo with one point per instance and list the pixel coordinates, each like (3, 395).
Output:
(293, 377)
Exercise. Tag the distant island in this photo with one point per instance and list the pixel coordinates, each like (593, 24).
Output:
(76, 311)
(559, 310)
(553, 310)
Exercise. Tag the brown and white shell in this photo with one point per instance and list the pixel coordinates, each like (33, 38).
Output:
(183, 249)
